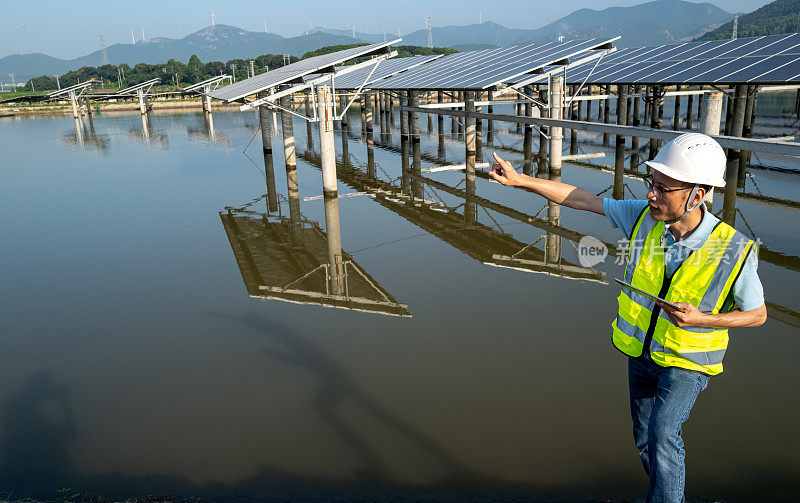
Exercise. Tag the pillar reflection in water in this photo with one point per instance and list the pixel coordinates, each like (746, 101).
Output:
(336, 276)
(79, 131)
(146, 126)
(405, 183)
(293, 195)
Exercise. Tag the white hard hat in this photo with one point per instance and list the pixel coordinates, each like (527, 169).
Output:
(692, 158)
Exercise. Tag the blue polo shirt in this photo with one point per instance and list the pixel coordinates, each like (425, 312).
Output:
(747, 290)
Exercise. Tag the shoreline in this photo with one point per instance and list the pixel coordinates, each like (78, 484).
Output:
(66, 109)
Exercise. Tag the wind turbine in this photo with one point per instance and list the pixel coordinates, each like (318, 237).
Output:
(213, 16)
(133, 39)
(144, 39)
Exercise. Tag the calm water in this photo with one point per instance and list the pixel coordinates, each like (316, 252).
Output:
(139, 358)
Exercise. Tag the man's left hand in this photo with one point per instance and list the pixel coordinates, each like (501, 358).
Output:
(684, 315)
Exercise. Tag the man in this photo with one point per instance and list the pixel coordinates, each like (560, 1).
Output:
(685, 255)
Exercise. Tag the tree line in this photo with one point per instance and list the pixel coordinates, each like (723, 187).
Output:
(776, 18)
(179, 74)
(173, 72)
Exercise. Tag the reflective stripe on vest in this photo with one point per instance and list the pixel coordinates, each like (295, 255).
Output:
(704, 279)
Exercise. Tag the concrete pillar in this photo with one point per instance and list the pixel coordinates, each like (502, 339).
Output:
(470, 208)
(619, 154)
(732, 172)
(326, 141)
(747, 132)
(490, 123)
(142, 104)
(453, 118)
(689, 104)
(676, 115)
(797, 105)
(266, 133)
(309, 124)
(713, 113)
(542, 157)
(461, 123)
(266, 147)
(404, 144)
(700, 104)
(573, 133)
(527, 138)
(606, 116)
(629, 119)
(588, 104)
(363, 101)
(413, 101)
(345, 130)
(391, 103)
(430, 116)
(88, 106)
(556, 112)
(370, 139)
(729, 102)
(439, 117)
(469, 140)
(478, 134)
(656, 107)
(288, 133)
(385, 111)
(637, 108)
(74, 104)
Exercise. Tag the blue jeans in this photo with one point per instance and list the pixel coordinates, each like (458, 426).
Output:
(661, 399)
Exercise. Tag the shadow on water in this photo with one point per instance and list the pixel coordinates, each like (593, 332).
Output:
(335, 386)
(38, 425)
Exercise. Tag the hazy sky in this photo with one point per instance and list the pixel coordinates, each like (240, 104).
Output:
(67, 30)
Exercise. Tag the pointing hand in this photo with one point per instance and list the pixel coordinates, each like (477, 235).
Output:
(503, 172)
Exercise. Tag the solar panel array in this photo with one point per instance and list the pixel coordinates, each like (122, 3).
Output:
(771, 59)
(489, 67)
(294, 72)
(386, 68)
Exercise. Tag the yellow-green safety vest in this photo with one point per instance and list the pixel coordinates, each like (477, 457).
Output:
(704, 279)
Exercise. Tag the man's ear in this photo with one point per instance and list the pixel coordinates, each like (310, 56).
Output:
(699, 196)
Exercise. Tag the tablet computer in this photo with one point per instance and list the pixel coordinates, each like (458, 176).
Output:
(648, 295)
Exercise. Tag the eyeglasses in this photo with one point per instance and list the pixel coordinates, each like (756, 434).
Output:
(657, 189)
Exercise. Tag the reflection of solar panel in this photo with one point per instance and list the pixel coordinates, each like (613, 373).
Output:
(207, 82)
(76, 87)
(490, 67)
(294, 72)
(384, 70)
(770, 59)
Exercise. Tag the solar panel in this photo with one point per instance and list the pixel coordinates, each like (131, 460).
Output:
(489, 67)
(132, 89)
(294, 72)
(212, 80)
(76, 87)
(385, 69)
(772, 59)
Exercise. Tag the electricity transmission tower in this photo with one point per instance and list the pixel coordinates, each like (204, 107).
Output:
(735, 27)
(103, 52)
(430, 35)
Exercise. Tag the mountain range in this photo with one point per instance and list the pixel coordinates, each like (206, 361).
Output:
(655, 22)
